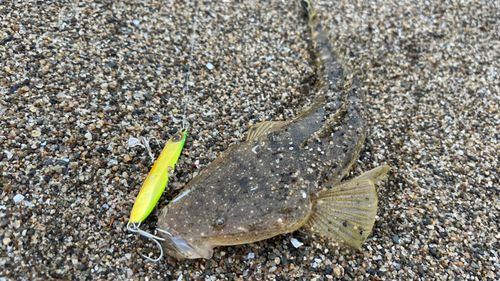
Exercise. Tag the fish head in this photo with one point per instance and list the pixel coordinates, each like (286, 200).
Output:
(228, 204)
(178, 247)
(183, 235)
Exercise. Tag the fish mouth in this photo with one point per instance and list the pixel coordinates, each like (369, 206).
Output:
(180, 248)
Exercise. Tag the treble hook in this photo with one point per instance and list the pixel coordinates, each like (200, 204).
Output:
(134, 227)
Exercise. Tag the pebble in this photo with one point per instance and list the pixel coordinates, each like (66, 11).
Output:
(4, 223)
(58, 169)
(6, 241)
(18, 198)
(338, 271)
(177, 185)
(8, 154)
(421, 270)
(395, 239)
(296, 243)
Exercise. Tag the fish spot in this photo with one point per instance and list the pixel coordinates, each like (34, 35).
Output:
(219, 223)
(344, 223)
(243, 182)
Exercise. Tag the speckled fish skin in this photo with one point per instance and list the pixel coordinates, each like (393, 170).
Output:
(269, 184)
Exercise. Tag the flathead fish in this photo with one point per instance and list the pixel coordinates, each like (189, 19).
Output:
(285, 175)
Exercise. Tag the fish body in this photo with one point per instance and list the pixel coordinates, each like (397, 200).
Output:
(285, 175)
(157, 179)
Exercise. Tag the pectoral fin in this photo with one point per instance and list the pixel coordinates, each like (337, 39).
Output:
(347, 211)
(262, 128)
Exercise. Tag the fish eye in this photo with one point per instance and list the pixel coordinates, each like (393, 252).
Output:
(177, 137)
(219, 223)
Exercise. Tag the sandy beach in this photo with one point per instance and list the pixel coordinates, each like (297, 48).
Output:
(79, 79)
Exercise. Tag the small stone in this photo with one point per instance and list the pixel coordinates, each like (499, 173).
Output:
(210, 66)
(338, 271)
(420, 269)
(127, 158)
(18, 198)
(396, 239)
(177, 185)
(58, 169)
(372, 271)
(133, 142)
(64, 162)
(434, 252)
(36, 134)
(9, 155)
(6, 241)
(88, 136)
(296, 243)
(29, 204)
(4, 223)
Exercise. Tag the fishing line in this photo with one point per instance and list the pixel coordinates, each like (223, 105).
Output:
(190, 59)
(134, 226)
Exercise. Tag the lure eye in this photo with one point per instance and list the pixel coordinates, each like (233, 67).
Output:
(219, 223)
(177, 137)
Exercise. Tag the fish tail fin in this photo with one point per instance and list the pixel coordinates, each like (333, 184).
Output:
(374, 175)
(347, 211)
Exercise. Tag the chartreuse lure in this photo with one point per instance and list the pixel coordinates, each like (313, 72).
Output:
(155, 183)
(157, 179)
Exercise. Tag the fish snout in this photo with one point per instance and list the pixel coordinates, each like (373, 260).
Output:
(178, 247)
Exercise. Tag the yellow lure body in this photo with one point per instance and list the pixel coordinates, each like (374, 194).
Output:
(157, 179)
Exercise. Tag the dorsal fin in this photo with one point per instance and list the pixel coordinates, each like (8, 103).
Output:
(325, 130)
(262, 128)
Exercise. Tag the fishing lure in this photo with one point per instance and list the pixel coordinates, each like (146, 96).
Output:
(157, 179)
(155, 183)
